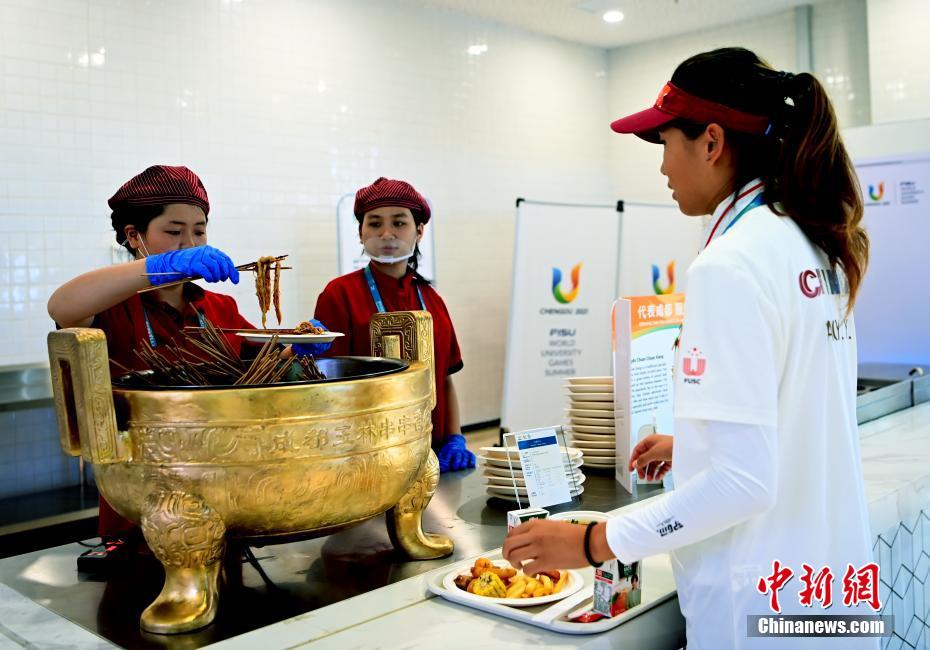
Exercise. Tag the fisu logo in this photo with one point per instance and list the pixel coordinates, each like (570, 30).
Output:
(876, 194)
(563, 296)
(694, 364)
(670, 273)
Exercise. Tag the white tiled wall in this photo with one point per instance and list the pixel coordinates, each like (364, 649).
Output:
(841, 58)
(282, 106)
(899, 49)
(30, 453)
(636, 74)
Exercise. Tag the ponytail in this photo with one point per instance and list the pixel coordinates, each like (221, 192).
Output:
(814, 182)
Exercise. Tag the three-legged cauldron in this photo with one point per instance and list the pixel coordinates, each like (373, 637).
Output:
(195, 466)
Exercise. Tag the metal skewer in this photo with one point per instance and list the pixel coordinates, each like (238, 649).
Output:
(242, 267)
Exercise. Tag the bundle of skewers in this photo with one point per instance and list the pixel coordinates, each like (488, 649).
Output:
(205, 358)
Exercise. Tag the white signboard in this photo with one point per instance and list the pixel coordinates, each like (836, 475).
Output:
(892, 310)
(564, 282)
(352, 255)
(658, 244)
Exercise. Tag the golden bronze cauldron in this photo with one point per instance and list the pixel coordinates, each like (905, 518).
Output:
(194, 465)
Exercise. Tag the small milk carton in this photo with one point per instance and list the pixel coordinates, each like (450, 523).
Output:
(517, 517)
(616, 588)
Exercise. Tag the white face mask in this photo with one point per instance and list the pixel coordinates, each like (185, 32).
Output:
(145, 252)
(388, 251)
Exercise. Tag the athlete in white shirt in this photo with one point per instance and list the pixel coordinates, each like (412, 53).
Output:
(766, 451)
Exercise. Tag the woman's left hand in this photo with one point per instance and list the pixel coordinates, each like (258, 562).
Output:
(311, 349)
(546, 545)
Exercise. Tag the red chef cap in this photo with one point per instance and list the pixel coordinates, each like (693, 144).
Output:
(162, 185)
(384, 192)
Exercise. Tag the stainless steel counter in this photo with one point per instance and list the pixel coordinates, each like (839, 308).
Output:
(305, 575)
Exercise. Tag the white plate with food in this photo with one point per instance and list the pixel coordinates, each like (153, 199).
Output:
(592, 414)
(587, 428)
(587, 445)
(507, 578)
(581, 381)
(288, 337)
(508, 495)
(582, 389)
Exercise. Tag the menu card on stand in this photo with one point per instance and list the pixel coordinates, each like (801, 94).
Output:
(646, 330)
(546, 465)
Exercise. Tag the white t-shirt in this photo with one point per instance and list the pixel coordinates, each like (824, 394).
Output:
(766, 455)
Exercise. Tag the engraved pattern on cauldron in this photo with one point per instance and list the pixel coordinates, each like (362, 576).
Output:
(233, 443)
(182, 530)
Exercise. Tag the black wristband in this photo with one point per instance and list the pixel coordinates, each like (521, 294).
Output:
(587, 545)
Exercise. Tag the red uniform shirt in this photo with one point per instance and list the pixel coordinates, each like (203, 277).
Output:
(124, 325)
(346, 305)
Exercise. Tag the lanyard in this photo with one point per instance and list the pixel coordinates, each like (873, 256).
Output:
(756, 202)
(376, 295)
(148, 326)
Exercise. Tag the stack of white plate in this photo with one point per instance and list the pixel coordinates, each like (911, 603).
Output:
(499, 481)
(591, 419)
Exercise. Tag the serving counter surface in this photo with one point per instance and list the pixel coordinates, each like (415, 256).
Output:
(304, 576)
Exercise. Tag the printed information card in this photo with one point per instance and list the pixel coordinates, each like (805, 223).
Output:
(544, 467)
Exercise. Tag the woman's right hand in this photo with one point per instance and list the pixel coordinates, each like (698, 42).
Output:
(652, 457)
(212, 264)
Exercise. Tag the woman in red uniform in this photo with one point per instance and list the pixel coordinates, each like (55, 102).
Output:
(160, 216)
(391, 217)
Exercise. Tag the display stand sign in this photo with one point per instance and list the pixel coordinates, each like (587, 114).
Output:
(564, 281)
(351, 254)
(546, 466)
(646, 330)
(892, 311)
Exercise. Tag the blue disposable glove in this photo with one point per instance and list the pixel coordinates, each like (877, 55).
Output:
(454, 455)
(212, 264)
(311, 349)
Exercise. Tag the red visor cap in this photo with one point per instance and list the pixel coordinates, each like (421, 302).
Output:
(674, 103)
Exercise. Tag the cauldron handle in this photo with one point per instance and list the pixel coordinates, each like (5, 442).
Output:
(405, 335)
(80, 369)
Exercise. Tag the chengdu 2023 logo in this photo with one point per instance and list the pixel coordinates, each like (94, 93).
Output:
(877, 192)
(558, 293)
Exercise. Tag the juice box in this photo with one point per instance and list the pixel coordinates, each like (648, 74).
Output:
(616, 588)
(517, 517)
